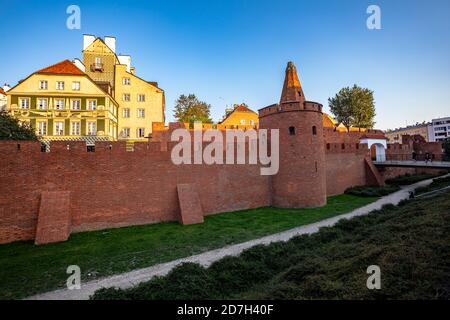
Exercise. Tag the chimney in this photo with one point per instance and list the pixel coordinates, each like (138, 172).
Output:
(123, 59)
(292, 89)
(111, 43)
(6, 87)
(87, 40)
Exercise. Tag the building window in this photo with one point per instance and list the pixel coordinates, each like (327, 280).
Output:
(76, 104)
(42, 104)
(43, 84)
(126, 132)
(59, 104)
(126, 112)
(242, 121)
(291, 131)
(75, 129)
(59, 128)
(141, 133)
(252, 122)
(141, 97)
(24, 103)
(314, 130)
(76, 86)
(126, 97)
(42, 128)
(92, 128)
(92, 104)
(141, 113)
(98, 60)
(126, 81)
(59, 85)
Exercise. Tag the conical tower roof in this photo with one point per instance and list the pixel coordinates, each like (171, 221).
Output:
(292, 89)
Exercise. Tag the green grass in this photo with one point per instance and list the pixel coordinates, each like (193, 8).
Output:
(410, 244)
(26, 269)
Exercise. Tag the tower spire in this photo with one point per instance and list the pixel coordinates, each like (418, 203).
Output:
(292, 89)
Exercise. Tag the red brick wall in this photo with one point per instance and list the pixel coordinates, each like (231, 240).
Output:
(393, 172)
(345, 166)
(112, 187)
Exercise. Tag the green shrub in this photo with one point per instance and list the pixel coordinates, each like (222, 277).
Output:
(438, 183)
(410, 179)
(367, 191)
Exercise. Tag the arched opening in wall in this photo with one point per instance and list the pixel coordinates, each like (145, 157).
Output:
(377, 152)
(314, 130)
(292, 131)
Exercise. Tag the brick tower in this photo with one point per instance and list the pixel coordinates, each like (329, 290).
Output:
(300, 181)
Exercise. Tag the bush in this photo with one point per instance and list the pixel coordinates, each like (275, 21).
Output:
(410, 179)
(437, 184)
(372, 191)
(12, 129)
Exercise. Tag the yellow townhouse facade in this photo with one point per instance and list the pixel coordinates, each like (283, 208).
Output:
(63, 103)
(239, 117)
(140, 102)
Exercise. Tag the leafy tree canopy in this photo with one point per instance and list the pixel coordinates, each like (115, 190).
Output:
(190, 109)
(446, 147)
(12, 129)
(354, 107)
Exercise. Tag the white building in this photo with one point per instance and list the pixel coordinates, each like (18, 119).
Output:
(439, 130)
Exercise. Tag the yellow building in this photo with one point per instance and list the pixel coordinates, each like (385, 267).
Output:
(63, 103)
(421, 129)
(140, 102)
(330, 122)
(240, 117)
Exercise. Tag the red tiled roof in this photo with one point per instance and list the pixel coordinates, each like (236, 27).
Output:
(243, 108)
(373, 136)
(63, 67)
(2, 91)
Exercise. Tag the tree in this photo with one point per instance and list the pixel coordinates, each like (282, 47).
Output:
(12, 129)
(446, 147)
(190, 109)
(354, 107)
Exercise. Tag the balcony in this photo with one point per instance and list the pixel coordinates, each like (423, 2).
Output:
(97, 67)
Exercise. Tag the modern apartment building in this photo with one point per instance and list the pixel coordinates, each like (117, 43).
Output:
(63, 103)
(140, 102)
(439, 129)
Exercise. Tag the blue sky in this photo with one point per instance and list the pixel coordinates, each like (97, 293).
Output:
(231, 51)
